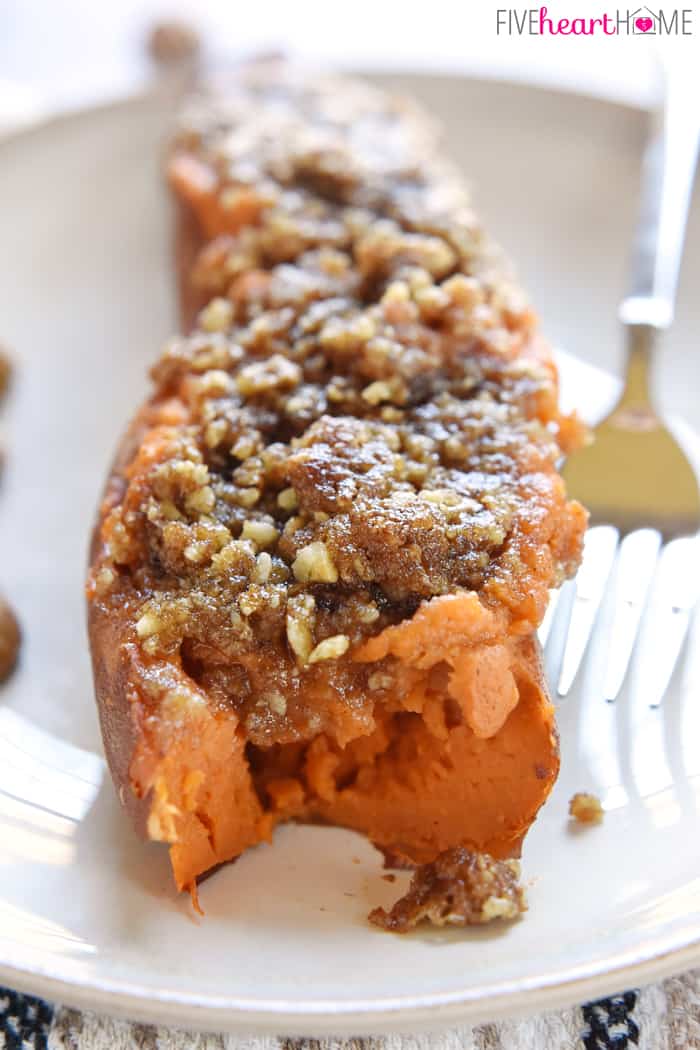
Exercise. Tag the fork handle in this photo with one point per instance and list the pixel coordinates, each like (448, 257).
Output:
(667, 182)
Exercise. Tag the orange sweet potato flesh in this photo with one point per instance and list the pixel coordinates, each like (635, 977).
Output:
(425, 793)
(428, 777)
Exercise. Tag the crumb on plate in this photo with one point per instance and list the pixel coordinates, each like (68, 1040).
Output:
(5, 371)
(586, 808)
(460, 888)
(10, 638)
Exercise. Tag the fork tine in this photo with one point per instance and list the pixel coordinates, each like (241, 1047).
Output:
(635, 569)
(599, 549)
(675, 591)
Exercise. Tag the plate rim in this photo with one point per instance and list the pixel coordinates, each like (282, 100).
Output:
(169, 89)
(361, 1017)
(654, 959)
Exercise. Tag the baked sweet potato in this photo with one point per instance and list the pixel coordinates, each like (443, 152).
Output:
(328, 538)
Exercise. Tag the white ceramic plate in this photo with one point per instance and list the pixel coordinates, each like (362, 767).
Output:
(88, 914)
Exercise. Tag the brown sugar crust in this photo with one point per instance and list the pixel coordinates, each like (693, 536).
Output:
(459, 888)
(330, 534)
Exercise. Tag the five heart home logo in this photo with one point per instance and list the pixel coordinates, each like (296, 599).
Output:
(643, 21)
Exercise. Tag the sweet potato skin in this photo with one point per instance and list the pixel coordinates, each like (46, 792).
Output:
(111, 667)
(151, 779)
(118, 720)
(193, 790)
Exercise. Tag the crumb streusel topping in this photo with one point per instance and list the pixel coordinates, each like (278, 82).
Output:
(459, 888)
(362, 419)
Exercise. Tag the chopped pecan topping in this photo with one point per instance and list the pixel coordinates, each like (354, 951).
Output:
(363, 418)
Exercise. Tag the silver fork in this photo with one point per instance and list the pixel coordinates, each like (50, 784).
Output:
(634, 478)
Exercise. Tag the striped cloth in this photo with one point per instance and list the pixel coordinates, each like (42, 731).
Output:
(664, 1016)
